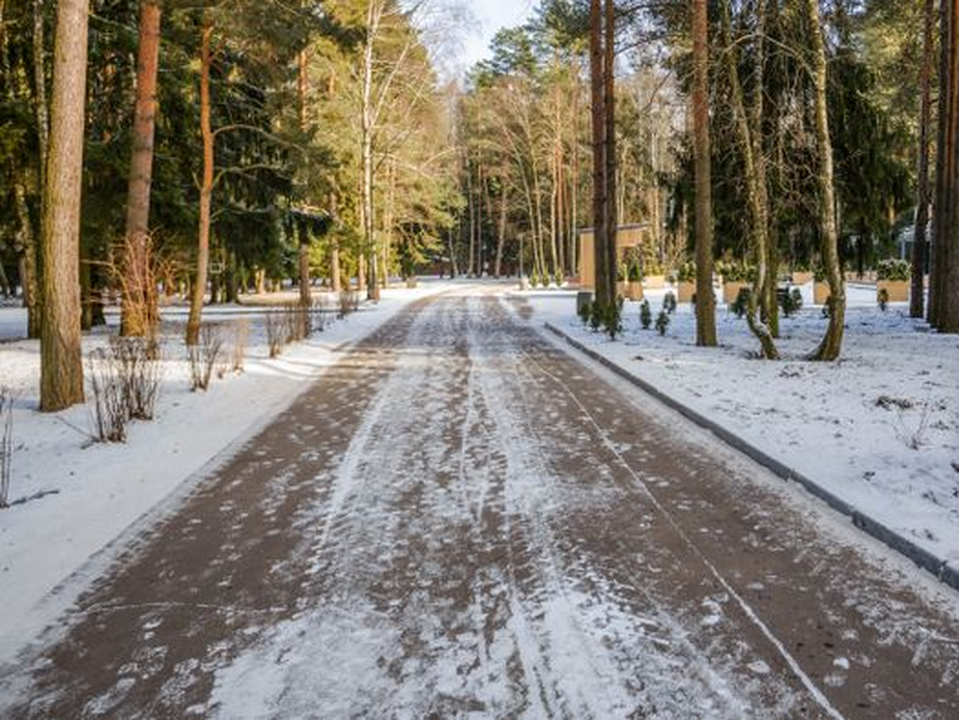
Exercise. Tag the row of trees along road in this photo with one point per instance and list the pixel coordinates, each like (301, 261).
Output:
(770, 133)
(268, 140)
(207, 149)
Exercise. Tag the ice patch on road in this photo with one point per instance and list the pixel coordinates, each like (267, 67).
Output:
(322, 660)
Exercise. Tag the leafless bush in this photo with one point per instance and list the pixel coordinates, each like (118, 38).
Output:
(136, 361)
(110, 414)
(914, 436)
(136, 270)
(6, 443)
(349, 302)
(276, 331)
(318, 318)
(238, 351)
(204, 355)
(296, 320)
(125, 381)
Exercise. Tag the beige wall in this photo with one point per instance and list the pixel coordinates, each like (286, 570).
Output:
(626, 238)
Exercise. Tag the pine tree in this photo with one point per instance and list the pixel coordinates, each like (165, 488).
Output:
(943, 313)
(140, 315)
(920, 241)
(706, 306)
(61, 364)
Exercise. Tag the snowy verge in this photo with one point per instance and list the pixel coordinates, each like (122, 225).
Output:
(877, 430)
(101, 489)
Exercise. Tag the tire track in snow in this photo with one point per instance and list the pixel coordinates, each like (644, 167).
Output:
(825, 705)
(576, 617)
(372, 513)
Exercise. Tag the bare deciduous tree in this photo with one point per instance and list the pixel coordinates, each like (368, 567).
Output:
(832, 342)
(749, 128)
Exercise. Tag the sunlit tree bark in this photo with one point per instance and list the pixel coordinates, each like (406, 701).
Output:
(61, 364)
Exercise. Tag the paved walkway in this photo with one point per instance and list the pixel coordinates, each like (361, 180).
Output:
(460, 519)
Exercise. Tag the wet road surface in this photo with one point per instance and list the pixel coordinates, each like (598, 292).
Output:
(459, 519)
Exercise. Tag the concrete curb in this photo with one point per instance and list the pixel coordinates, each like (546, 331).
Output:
(940, 568)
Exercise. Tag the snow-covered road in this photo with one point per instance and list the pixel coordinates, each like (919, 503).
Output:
(459, 519)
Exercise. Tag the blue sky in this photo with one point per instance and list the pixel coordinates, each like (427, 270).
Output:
(491, 15)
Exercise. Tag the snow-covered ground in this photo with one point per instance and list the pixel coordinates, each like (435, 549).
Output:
(878, 428)
(464, 521)
(98, 490)
(13, 322)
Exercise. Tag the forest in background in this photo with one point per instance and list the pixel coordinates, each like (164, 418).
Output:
(228, 147)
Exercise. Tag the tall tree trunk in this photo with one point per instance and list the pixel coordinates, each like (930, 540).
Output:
(556, 188)
(936, 242)
(501, 229)
(575, 179)
(302, 89)
(335, 266)
(40, 89)
(206, 189)
(755, 182)
(943, 286)
(832, 342)
(334, 252)
(86, 316)
(139, 309)
(771, 118)
(768, 284)
(454, 270)
(922, 217)
(98, 317)
(653, 194)
(41, 109)
(303, 246)
(530, 214)
(28, 266)
(604, 281)
(303, 267)
(61, 363)
(4, 66)
(388, 223)
(472, 228)
(706, 303)
(367, 159)
(543, 269)
(610, 145)
(951, 191)
(231, 286)
(480, 192)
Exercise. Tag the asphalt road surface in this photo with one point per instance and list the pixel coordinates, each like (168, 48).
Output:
(461, 519)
